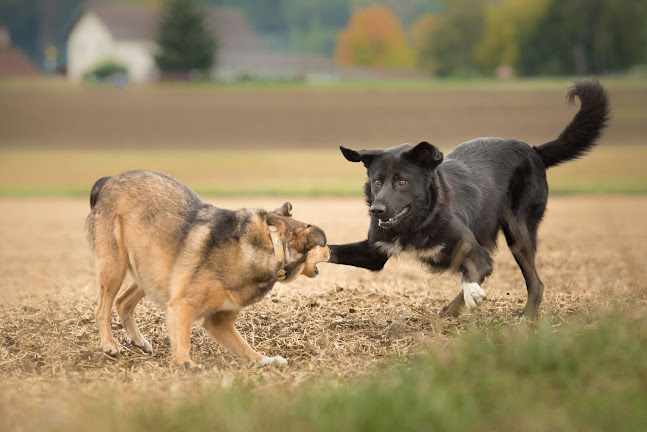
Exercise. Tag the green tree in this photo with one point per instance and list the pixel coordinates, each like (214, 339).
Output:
(313, 25)
(454, 37)
(408, 11)
(508, 25)
(586, 36)
(186, 41)
(35, 24)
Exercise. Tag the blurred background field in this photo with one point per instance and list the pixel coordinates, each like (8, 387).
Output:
(57, 139)
(254, 97)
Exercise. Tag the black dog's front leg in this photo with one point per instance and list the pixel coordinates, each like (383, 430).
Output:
(473, 261)
(360, 254)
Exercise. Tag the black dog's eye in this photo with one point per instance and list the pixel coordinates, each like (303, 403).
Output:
(402, 182)
(378, 183)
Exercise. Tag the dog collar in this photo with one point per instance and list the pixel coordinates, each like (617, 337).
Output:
(279, 252)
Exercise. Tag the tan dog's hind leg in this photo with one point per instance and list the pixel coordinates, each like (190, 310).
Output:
(126, 304)
(112, 265)
(111, 275)
(180, 318)
(220, 326)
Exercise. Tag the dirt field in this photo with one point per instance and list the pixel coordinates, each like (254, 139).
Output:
(591, 254)
(197, 117)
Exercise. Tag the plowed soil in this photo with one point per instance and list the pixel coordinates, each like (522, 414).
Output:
(154, 117)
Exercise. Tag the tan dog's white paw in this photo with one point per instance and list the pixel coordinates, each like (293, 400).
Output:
(111, 348)
(144, 345)
(270, 360)
(189, 365)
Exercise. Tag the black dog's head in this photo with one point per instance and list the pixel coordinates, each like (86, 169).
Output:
(400, 182)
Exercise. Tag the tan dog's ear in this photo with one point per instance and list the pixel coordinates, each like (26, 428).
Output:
(284, 210)
(313, 236)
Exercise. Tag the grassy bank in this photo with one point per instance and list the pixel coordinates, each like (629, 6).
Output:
(58, 84)
(587, 374)
(46, 172)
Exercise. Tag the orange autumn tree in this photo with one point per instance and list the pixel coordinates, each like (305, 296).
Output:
(374, 38)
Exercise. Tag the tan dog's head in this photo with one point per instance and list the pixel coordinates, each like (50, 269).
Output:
(305, 244)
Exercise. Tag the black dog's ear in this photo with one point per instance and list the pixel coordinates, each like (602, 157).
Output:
(365, 156)
(425, 155)
(284, 210)
(351, 155)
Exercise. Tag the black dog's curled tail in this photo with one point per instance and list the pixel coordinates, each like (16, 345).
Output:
(96, 189)
(579, 137)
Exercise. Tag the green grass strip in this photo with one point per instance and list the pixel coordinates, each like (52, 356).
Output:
(588, 374)
(320, 190)
(332, 190)
(418, 84)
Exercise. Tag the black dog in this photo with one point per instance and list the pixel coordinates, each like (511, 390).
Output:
(448, 213)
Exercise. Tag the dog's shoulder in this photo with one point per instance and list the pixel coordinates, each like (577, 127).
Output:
(226, 226)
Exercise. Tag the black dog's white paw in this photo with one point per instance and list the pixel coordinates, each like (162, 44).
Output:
(473, 294)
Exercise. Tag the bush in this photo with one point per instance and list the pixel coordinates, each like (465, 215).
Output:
(107, 70)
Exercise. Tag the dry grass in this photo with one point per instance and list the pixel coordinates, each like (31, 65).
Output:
(340, 324)
(299, 171)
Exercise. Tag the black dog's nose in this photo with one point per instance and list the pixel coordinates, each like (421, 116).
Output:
(378, 210)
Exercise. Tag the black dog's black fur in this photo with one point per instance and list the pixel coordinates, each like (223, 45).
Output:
(449, 211)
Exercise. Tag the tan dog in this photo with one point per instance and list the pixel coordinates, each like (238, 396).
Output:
(193, 259)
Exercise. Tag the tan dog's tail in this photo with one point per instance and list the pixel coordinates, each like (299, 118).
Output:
(96, 189)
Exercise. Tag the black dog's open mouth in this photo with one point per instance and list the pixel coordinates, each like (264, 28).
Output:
(391, 222)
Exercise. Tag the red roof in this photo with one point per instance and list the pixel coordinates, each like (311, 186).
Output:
(14, 63)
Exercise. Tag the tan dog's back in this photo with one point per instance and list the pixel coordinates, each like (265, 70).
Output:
(138, 221)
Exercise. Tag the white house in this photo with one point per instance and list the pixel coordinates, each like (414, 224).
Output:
(121, 33)
(127, 33)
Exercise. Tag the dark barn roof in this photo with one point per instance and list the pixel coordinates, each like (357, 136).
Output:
(127, 21)
(231, 28)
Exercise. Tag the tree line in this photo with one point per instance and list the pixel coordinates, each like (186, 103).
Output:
(440, 37)
(533, 37)
(461, 37)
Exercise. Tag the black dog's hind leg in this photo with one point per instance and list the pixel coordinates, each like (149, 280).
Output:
(528, 195)
(475, 264)
(360, 254)
(522, 240)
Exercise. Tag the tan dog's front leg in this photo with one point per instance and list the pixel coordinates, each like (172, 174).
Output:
(180, 317)
(221, 327)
